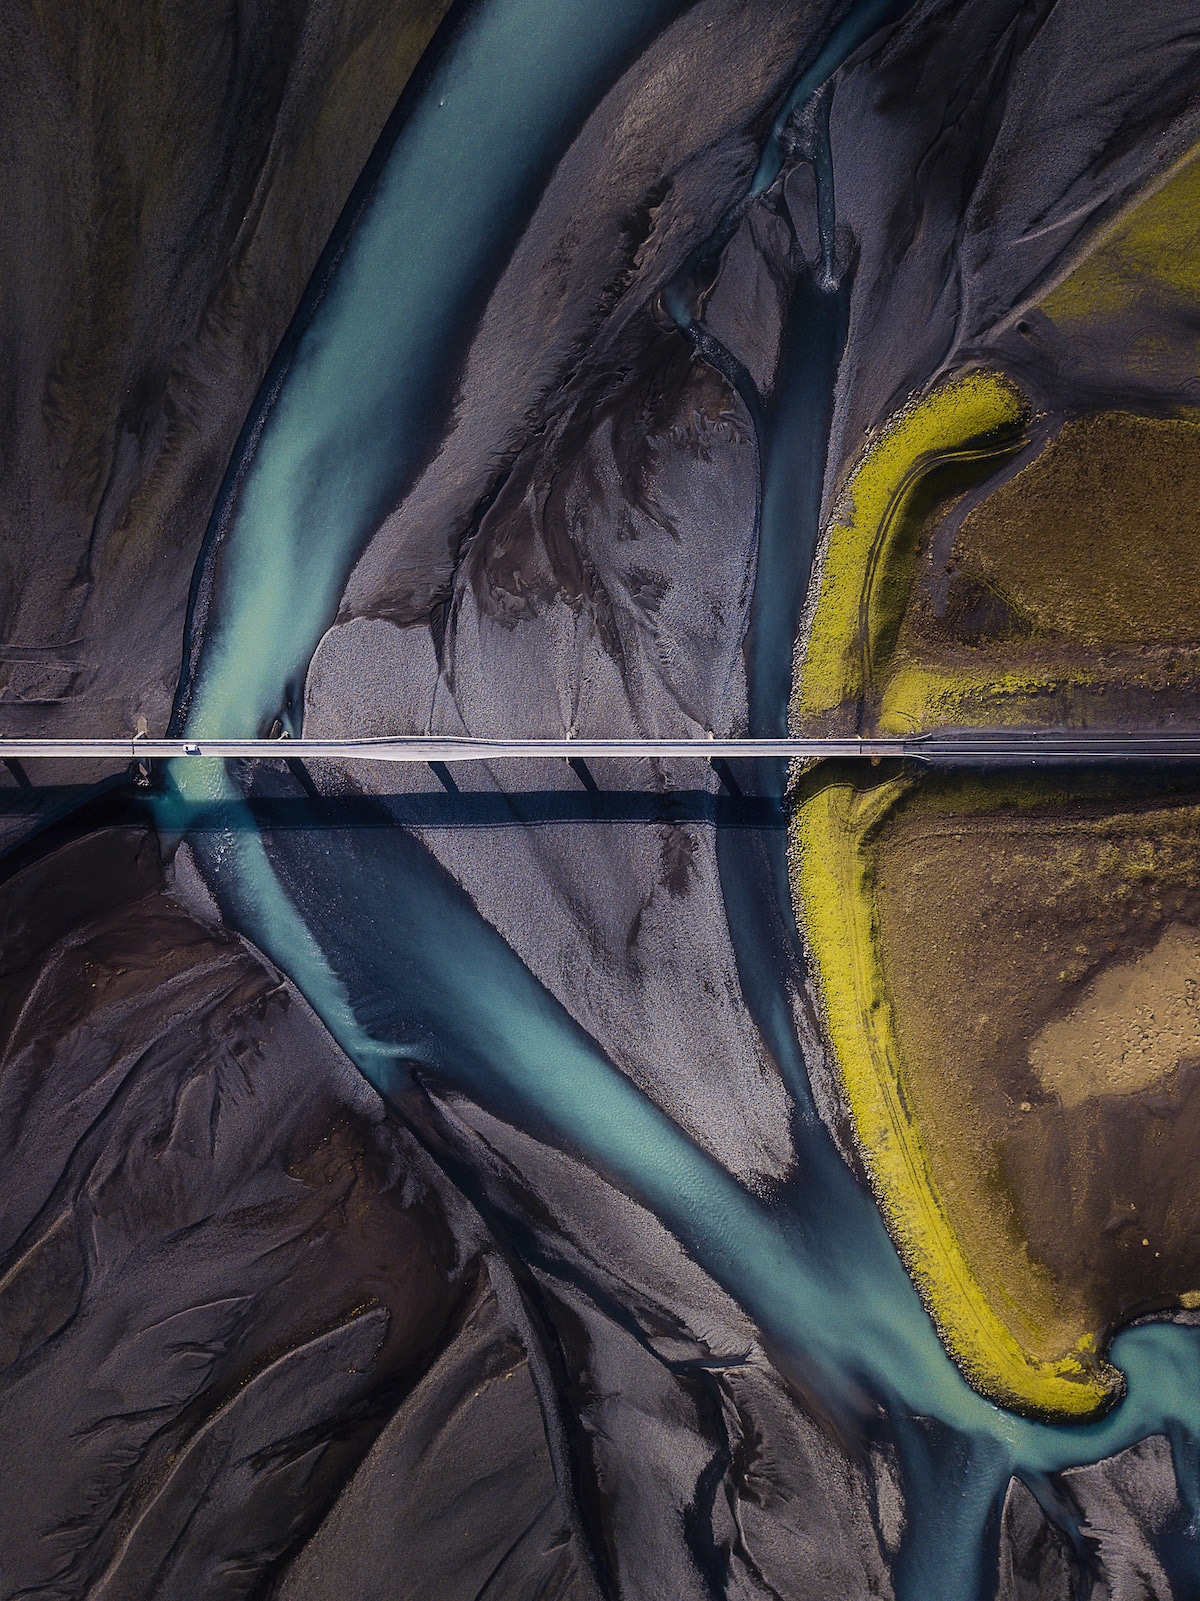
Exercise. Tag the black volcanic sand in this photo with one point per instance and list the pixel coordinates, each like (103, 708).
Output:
(252, 1342)
(387, 1381)
(170, 178)
(221, 1268)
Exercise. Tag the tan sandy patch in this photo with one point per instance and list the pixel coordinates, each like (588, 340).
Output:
(1133, 1025)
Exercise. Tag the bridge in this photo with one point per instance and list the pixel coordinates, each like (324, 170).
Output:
(947, 747)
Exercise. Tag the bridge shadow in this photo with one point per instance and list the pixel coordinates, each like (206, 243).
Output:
(513, 809)
(80, 808)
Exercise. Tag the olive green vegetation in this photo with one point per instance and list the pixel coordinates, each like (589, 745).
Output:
(1098, 539)
(1151, 249)
(1005, 1329)
(1071, 592)
(1122, 321)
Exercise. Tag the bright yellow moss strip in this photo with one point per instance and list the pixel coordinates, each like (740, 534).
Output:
(833, 882)
(855, 604)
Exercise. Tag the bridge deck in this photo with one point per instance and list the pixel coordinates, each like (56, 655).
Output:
(945, 747)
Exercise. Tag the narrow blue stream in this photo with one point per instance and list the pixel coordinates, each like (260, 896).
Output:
(393, 955)
(357, 401)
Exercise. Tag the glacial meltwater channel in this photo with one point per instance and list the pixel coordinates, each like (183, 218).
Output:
(389, 950)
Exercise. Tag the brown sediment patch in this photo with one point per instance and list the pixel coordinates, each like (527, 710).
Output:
(1015, 925)
(1069, 593)
(1098, 539)
(1133, 1025)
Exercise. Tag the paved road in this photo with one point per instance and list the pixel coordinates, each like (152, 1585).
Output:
(1009, 747)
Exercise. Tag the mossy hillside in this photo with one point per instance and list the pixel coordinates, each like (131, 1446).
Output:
(1089, 556)
(865, 569)
(836, 822)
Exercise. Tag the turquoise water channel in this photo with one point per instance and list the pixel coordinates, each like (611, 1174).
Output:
(394, 956)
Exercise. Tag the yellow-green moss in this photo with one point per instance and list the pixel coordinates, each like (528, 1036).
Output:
(864, 577)
(916, 698)
(1154, 247)
(834, 826)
